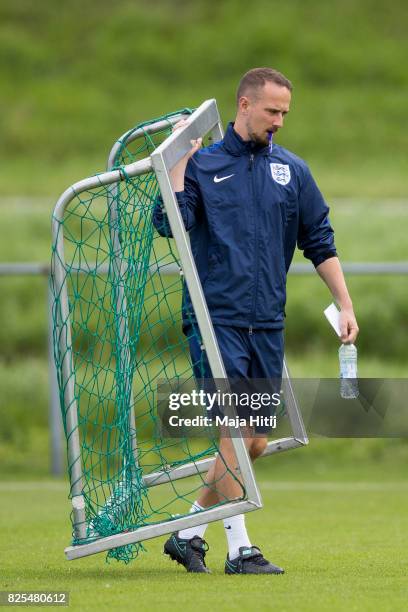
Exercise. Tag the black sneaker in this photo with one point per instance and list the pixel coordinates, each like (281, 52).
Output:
(189, 553)
(251, 561)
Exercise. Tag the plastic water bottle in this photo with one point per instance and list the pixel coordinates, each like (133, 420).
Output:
(348, 371)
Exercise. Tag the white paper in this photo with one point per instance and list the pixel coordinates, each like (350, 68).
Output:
(332, 314)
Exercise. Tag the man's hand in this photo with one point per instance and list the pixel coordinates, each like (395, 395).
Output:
(195, 144)
(177, 173)
(332, 274)
(348, 326)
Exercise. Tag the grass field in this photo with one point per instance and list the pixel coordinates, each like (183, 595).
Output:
(342, 538)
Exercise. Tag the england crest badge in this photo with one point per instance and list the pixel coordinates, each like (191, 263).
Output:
(280, 173)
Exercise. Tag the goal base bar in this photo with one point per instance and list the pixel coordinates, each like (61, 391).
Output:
(208, 516)
(153, 531)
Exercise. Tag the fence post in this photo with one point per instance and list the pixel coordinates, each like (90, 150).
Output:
(54, 415)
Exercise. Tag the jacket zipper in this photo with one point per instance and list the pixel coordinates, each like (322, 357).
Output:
(251, 170)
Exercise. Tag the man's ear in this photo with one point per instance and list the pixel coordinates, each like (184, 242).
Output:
(243, 104)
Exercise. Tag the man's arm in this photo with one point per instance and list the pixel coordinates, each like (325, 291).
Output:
(188, 196)
(178, 172)
(316, 239)
(332, 274)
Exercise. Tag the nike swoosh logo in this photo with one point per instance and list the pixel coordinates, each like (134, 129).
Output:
(222, 178)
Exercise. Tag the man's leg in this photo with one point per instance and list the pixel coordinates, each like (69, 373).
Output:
(242, 558)
(266, 350)
(222, 485)
(217, 485)
(223, 481)
(236, 361)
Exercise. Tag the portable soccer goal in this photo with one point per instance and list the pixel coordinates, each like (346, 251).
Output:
(117, 289)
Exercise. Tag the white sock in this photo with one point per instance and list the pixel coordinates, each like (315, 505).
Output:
(187, 534)
(236, 534)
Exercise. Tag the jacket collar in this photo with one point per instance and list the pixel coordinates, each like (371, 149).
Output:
(237, 146)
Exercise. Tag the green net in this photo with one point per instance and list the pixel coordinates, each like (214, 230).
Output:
(124, 294)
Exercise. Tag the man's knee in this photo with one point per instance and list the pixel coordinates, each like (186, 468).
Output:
(257, 447)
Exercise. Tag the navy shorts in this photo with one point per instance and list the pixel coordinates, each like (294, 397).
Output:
(248, 356)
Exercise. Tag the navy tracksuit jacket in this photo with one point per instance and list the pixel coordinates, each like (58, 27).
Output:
(245, 209)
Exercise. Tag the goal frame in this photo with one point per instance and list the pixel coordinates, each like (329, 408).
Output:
(205, 119)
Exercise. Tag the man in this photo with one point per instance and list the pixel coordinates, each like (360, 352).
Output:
(246, 203)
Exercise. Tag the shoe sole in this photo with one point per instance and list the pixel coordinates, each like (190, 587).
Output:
(254, 573)
(230, 572)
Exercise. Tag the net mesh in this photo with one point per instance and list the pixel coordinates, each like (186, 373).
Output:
(124, 292)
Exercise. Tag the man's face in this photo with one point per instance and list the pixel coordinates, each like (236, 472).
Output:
(264, 112)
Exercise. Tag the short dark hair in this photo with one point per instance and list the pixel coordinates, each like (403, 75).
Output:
(257, 77)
